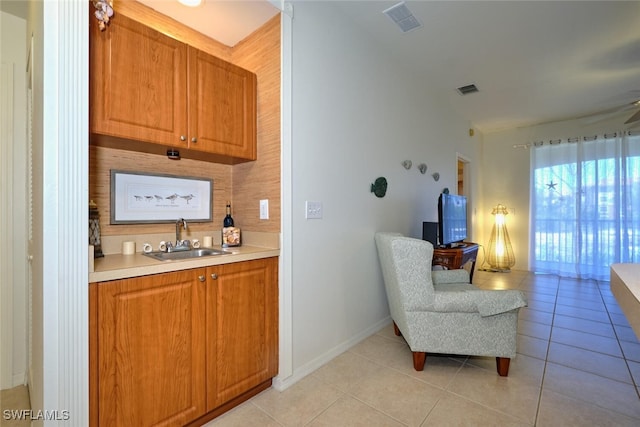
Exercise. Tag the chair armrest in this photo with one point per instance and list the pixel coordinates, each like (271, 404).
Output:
(450, 276)
(500, 301)
(484, 302)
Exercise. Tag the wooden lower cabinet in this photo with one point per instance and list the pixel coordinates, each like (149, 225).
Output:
(150, 350)
(168, 349)
(242, 315)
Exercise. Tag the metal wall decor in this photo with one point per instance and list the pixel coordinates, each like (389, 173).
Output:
(379, 187)
(422, 167)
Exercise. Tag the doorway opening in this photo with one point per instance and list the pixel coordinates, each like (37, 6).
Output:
(463, 167)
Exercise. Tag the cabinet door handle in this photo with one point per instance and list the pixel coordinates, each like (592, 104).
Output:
(202, 278)
(214, 276)
(194, 139)
(183, 138)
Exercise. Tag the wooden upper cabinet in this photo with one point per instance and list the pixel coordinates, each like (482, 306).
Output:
(138, 84)
(222, 106)
(146, 86)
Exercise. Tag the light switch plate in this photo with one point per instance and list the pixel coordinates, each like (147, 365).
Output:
(313, 210)
(264, 209)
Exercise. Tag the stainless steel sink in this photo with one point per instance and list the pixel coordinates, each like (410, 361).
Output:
(193, 253)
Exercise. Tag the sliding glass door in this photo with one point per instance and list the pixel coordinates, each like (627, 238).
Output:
(585, 205)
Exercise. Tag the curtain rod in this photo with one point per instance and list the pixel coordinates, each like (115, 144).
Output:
(573, 140)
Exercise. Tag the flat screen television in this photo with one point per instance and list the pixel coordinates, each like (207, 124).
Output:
(452, 219)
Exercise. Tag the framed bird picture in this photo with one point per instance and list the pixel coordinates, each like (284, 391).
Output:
(141, 197)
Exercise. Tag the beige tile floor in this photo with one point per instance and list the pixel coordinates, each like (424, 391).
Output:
(14, 400)
(578, 364)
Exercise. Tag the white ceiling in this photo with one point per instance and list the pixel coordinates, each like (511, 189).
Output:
(533, 61)
(225, 21)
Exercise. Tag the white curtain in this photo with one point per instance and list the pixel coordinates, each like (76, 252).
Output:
(585, 205)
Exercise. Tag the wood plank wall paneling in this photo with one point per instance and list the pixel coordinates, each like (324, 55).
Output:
(253, 181)
(244, 184)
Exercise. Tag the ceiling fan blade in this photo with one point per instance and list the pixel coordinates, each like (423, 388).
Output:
(633, 118)
(606, 114)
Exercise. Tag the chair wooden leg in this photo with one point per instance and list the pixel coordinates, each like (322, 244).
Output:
(396, 330)
(418, 360)
(502, 363)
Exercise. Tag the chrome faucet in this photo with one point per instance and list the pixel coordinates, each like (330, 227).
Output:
(180, 245)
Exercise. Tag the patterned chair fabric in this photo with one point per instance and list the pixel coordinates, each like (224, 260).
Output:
(440, 311)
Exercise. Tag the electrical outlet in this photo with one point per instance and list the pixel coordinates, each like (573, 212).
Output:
(313, 210)
(264, 209)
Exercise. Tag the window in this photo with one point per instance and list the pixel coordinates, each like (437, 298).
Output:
(585, 206)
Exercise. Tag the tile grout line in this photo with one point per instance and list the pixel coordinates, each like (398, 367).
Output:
(546, 357)
(259, 409)
(575, 368)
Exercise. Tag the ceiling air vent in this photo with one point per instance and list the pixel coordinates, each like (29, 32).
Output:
(466, 90)
(402, 16)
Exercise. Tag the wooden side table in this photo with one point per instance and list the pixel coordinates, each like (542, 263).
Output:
(454, 258)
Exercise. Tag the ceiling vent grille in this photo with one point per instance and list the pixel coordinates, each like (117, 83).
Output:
(403, 17)
(466, 90)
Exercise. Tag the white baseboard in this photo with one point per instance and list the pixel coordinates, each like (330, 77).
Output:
(300, 372)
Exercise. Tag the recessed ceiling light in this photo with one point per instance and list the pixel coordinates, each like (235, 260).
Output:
(191, 3)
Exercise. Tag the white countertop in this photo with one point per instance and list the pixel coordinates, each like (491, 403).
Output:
(625, 286)
(630, 275)
(118, 266)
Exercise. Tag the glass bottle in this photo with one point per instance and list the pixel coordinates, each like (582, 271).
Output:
(228, 220)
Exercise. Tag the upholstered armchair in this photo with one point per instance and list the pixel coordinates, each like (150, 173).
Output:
(440, 311)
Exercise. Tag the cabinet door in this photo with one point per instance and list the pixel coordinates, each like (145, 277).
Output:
(222, 107)
(242, 320)
(138, 83)
(150, 349)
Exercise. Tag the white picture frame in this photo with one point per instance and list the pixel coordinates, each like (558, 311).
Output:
(142, 197)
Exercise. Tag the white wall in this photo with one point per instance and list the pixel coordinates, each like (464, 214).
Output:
(356, 116)
(13, 248)
(506, 174)
(505, 180)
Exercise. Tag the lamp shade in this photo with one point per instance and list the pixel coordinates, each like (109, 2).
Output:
(500, 254)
